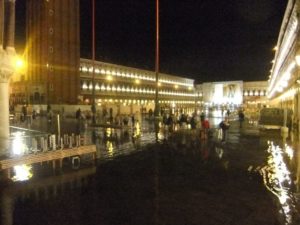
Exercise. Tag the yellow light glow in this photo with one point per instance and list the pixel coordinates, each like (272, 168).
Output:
(175, 86)
(19, 64)
(109, 78)
(137, 81)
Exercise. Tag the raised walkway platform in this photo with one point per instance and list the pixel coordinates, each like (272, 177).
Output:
(52, 156)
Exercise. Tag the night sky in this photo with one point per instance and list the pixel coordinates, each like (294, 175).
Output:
(206, 40)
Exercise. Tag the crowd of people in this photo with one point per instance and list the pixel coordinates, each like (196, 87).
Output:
(169, 120)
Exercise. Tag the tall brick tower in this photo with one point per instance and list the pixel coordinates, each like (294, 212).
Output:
(52, 51)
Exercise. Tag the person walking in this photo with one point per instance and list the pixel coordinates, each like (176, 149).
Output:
(78, 114)
(224, 125)
(241, 118)
(205, 128)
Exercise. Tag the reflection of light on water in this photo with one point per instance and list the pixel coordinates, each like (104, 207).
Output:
(22, 173)
(110, 148)
(18, 146)
(109, 144)
(219, 152)
(277, 179)
(108, 132)
(137, 131)
(159, 131)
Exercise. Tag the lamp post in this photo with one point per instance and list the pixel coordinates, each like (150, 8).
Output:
(156, 109)
(93, 64)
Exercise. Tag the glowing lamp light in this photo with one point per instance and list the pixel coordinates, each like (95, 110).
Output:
(109, 78)
(19, 63)
(84, 86)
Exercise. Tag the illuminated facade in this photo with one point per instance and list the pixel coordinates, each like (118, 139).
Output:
(283, 86)
(232, 93)
(124, 86)
(255, 94)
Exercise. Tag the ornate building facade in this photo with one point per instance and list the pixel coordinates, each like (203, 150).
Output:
(284, 80)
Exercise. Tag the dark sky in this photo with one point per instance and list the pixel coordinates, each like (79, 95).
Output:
(206, 40)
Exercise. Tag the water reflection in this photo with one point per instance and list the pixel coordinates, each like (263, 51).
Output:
(14, 196)
(277, 179)
(112, 142)
(22, 173)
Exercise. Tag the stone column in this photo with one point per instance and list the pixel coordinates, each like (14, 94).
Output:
(10, 35)
(4, 111)
(7, 68)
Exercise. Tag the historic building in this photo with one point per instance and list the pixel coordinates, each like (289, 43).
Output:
(255, 94)
(283, 85)
(125, 86)
(232, 94)
(122, 87)
(52, 53)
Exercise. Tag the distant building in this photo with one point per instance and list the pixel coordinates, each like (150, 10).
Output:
(232, 94)
(255, 94)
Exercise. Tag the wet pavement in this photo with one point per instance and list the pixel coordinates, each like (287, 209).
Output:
(144, 177)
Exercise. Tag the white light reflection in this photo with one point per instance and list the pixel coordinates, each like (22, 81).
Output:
(277, 179)
(109, 144)
(22, 173)
(137, 130)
